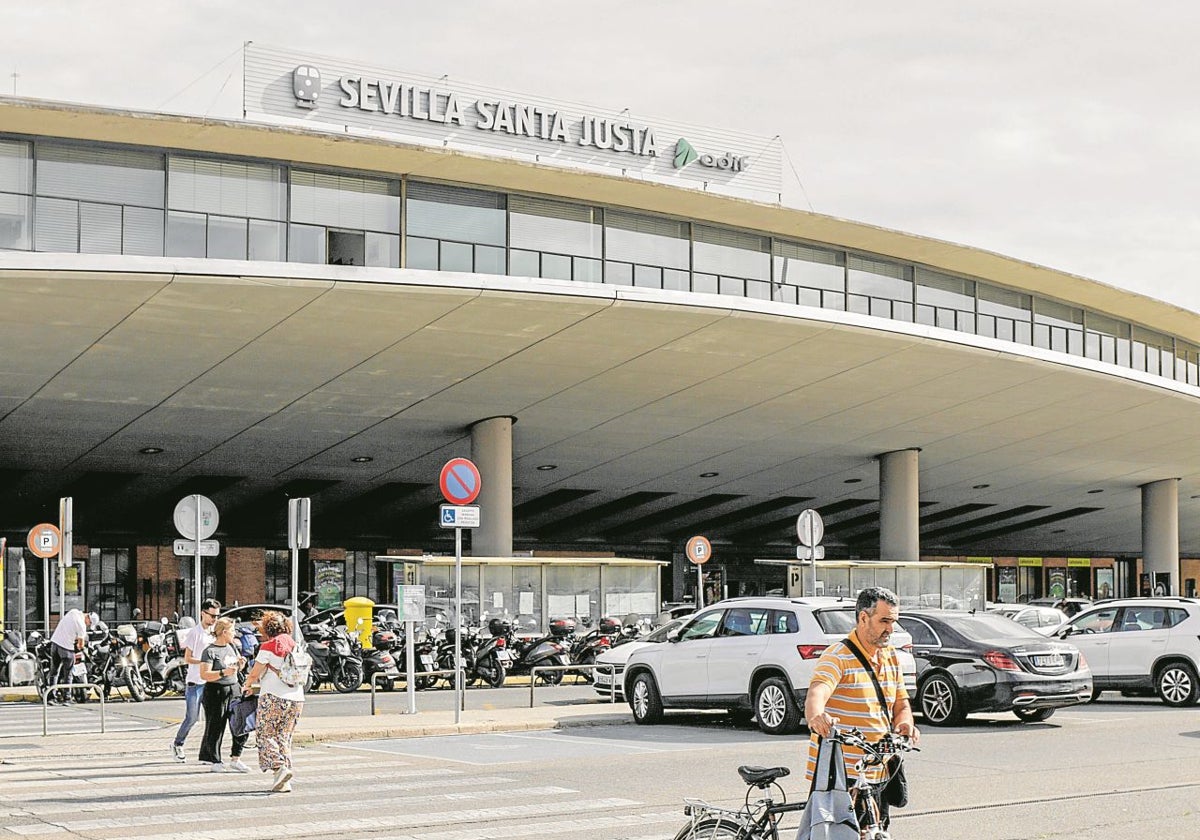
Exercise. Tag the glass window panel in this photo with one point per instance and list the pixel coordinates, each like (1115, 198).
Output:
(1057, 314)
(941, 290)
(455, 213)
(524, 264)
(648, 277)
(704, 283)
(99, 228)
(1004, 303)
(120, 177)
(790, 294)
(143, 232)
(457, 256)
(758, 289)
(732, 286)
(16, 167)
(57, 225)
(346, 247)
(1106, 325)
(186, 235)
(554, 226)
(16, 215)
(799, 265)
(556, 266)
(574, 592)
(879, 279)
(267, 241)
(489, 260)
(618, 274)
(630, 589)
(422, 253)
(588, 271)
(345, 201)
(227, 188)
(647, 239)
(730, 252)
(676, 280)
(226, 238)
(383, 250)
(306, 243)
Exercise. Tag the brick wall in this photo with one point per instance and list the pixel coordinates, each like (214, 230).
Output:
(245, 575)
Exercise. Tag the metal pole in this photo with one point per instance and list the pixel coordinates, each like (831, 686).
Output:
(66, 550)
(21, 596)
(699, 587)
(196, 588)
(296, 594)
(409, 655)
(458, 686)
(808, 528)
(46, 595)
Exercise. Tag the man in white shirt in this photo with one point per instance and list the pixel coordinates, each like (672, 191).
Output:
(194, 644)
(69, 636)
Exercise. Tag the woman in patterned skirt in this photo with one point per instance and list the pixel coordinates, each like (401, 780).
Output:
(279, 704)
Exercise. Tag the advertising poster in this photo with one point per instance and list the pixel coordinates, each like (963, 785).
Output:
(1006, 587)
(330, 577)
(74, 577)
(1104, 583)
(1057, 583)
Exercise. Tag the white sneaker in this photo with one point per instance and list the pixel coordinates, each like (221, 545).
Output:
(177, 751)
(283, 778)
(218, 768)
(236, 766)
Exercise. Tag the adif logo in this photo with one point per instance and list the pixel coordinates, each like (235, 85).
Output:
(306, 84)
(685, 153)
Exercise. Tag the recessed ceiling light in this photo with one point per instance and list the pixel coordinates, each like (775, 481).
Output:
(362, 459)
(1059, 531)
(547, 467)
(1094, 492)
(709, 474)
(151, 450)
(980, 486)
(852, 481)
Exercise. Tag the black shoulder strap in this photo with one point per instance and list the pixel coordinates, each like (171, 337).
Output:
(887, 713)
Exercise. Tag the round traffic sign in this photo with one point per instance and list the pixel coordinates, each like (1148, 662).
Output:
(699, 550)
(185, 517)
(810, 528)
(459, 481)
(44, 540)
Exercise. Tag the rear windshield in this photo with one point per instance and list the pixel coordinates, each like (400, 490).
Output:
(983, 627)
(836, 622)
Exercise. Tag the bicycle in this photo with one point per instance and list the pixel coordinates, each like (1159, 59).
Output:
(759, 820)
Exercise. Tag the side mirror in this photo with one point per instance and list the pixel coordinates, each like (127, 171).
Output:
(673, 636)
(1066, 631)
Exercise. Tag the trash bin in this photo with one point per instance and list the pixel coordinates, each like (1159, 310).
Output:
(357, 608)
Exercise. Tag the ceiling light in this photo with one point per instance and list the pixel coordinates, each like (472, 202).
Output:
(980, 486)
(151, 450)
(709, 474)
(1094, 492)
(852, 481)
(547, 467)
(1059, 531)
(362, 459)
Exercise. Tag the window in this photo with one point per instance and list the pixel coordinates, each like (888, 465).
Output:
(739, 263)
(836, 622)
(944, 301)
(110, 583)
(1004, 314)
(334, 216)
(742, 621)
(554, 239)
(882, 289)
(1100, 621)
(456, 229)
(922, 634)
(1106, 339)
(659, 246)
(1153, 352)
(809, 276)
(784, 621)
(703, 626)
(1057, 326)
(16, 206)
(225, 209)
(279, 576)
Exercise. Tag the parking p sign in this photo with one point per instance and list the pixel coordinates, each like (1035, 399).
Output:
(699, 550)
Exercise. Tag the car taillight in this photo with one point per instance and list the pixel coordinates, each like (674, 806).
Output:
(810, 651)
(1000, 660)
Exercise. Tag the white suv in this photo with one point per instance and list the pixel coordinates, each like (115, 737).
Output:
(752, 655)
(1139, 645)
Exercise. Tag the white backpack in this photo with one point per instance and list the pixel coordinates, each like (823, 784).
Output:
(295, 668)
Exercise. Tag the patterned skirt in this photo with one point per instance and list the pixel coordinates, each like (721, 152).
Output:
(277, 720)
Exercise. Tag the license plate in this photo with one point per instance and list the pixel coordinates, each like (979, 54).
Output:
(1051, 660)
(79, 670)
(503, 655)
(427, 660)
(603, 678)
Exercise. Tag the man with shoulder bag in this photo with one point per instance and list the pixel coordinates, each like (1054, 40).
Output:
(858, 683)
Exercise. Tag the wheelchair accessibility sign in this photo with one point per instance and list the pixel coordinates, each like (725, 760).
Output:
(459, 516)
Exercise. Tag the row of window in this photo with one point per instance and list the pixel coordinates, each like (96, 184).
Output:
(67, 198)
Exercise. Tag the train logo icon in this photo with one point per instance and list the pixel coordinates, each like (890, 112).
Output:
(306, 84)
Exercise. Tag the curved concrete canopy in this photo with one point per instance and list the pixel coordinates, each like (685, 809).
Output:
(256, 386)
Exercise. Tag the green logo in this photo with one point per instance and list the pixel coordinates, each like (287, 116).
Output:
(684, 153)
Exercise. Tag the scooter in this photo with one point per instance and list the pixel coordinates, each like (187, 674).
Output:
(333, 659)
(378, 658)
(162, 666)
(587, 647)
(17, 665)
(546, 650)
(113, 661)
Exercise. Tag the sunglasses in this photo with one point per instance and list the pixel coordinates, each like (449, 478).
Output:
(213, 615)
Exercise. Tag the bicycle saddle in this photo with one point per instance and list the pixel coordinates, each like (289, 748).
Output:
(762, 776)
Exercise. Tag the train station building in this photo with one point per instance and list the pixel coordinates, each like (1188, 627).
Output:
(617, 319)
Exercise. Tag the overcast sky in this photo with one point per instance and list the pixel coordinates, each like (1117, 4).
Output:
(1063, 133)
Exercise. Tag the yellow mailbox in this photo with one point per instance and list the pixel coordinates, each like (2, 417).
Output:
(357, 608)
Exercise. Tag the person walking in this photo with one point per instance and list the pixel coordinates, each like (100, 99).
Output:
(197, 639)
(69, 637)
(843, 691)
(220, 667)
(279, 704)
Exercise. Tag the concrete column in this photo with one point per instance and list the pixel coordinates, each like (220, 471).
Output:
(491, 450)
(899, 508)
(1160, 531)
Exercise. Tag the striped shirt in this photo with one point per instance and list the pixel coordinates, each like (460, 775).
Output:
(854, 701)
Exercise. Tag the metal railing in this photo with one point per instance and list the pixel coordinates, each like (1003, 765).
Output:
(99, 689)
(538, 669)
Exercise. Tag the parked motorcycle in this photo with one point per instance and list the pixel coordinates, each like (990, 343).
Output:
(491, 655)
(333, 659)
(546, 650)
(585, 648)
(112, 660)
(18, 666)
(378, 658)
(162, 665)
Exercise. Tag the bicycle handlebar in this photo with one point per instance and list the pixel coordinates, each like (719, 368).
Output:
(889, 744)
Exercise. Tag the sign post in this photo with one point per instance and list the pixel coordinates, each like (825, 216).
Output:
(411, 599)
(810, 529)
(460, 484)
(44, 541)
(299, 536)
(699, 551)
(196, 519)
(66, 551)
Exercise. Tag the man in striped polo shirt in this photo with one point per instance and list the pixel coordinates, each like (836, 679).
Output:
(842, 692)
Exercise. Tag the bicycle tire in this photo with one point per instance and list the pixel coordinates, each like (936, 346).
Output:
(714, 829)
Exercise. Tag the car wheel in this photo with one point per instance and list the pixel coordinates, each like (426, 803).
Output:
(645, 700)
(1176, 684)
(1096, 692)
(775, 707)
(938, 699)
(1033, 715)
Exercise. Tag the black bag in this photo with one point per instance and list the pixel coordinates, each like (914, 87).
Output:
(895, 789)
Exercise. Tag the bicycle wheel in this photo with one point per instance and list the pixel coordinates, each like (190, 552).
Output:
(714, 829)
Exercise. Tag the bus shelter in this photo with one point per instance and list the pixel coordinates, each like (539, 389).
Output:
(926, 583)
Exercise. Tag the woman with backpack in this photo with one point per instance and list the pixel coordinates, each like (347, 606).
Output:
(281, 698)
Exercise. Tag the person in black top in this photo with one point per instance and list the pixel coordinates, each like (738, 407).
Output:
(220, 668)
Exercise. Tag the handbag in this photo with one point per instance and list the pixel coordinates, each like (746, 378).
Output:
(243, 712)
(895, 789)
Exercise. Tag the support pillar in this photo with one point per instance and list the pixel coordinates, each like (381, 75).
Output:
(1160, 534)
(491, 450)
(899, 506)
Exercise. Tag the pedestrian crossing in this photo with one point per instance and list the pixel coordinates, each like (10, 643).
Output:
(335, 793)
(25, 720)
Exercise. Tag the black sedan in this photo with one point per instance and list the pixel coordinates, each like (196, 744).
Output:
(977, 662)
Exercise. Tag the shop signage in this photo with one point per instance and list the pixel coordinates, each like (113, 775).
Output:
(448, 113)
(977, 559)
(1079, 562)
(1029, 561)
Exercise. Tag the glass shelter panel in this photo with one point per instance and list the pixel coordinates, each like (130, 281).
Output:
(630, 589)
(513, 593)
(573, 592)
